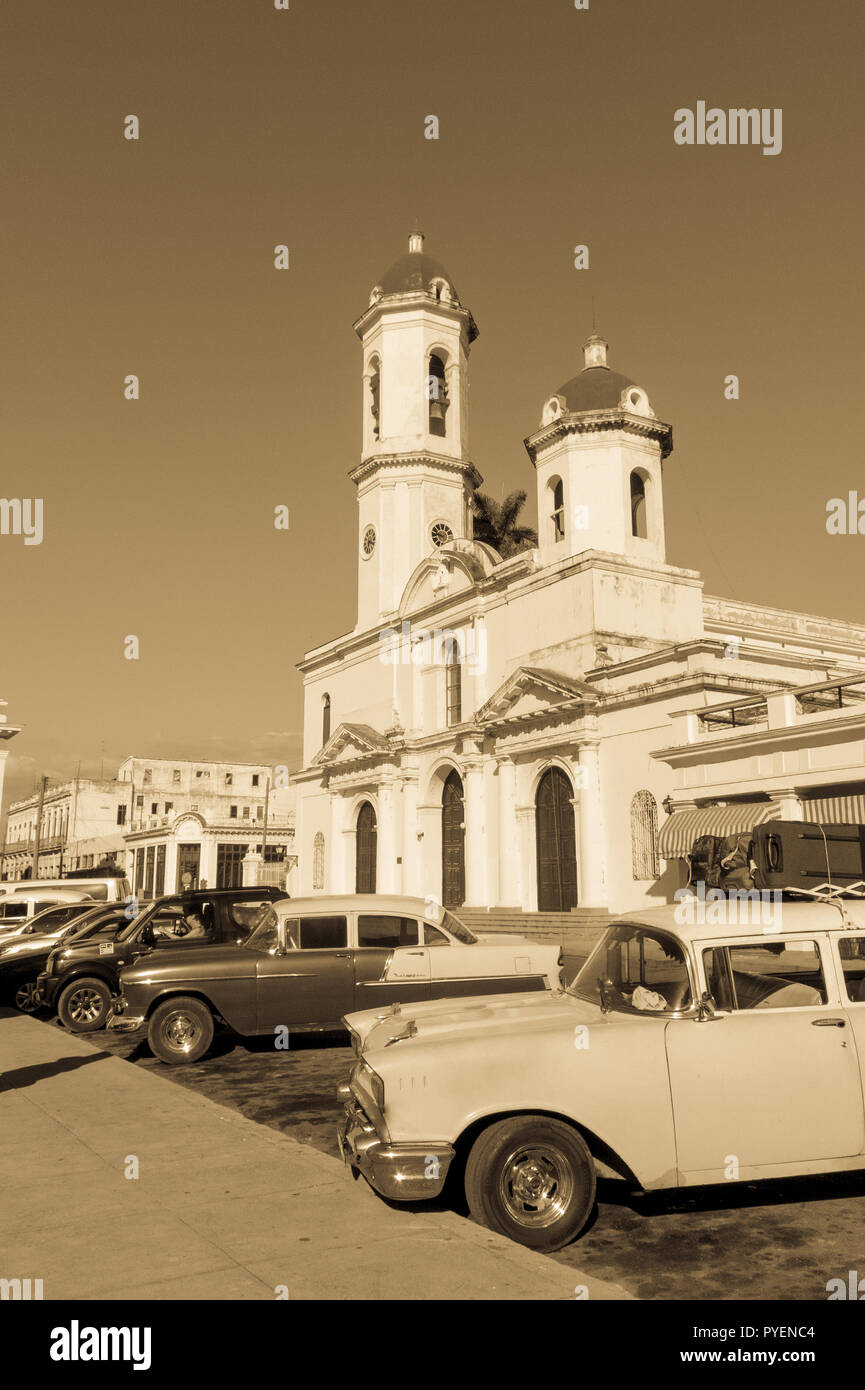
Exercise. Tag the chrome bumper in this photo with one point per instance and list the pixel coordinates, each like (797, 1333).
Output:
(400, 1172)
(125, 1023)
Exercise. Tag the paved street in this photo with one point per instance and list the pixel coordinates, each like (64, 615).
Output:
(118, 1184)
(768, 1241)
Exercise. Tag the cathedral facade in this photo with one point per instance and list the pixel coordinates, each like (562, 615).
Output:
(543, 732)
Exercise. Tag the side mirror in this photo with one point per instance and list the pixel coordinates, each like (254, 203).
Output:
(147, 936)
(706, 1008)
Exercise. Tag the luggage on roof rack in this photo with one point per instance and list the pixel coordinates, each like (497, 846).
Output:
(793, 854)
(723, 862)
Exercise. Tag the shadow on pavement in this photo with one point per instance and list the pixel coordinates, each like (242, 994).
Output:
(731, 1196)
(28, 1076)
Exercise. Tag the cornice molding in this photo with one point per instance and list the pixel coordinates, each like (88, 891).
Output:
(600, 422)
(394, 463)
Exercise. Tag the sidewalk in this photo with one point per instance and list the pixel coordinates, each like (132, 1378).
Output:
(223, 1208)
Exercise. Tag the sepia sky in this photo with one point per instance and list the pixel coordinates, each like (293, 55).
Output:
(306, 127)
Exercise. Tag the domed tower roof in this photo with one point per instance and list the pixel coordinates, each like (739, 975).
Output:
(597, 386)
(418, 273)
(598, 398)
(415, 271)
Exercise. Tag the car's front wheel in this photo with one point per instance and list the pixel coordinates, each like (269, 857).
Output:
(25, 996)
(180, 1031)
(84, 1005)
(531, 1178)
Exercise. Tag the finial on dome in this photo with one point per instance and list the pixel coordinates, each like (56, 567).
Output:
(595, 351)
(415, 241)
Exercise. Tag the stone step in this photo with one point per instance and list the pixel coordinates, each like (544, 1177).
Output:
(577, 930)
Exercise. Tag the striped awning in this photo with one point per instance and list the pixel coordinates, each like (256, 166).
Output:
(835, 810)
(681, 829)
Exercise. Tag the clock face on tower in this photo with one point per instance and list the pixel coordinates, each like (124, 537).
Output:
(440, 533)
(368, 542)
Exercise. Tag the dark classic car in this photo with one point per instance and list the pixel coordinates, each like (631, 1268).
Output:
(80, 978)
(310, 961)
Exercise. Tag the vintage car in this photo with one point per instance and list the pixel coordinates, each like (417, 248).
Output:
(81, 979)
(312, 960)
(682, 1054)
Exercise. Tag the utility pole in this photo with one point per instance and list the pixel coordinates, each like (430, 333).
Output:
(34, 869)
(264, 831)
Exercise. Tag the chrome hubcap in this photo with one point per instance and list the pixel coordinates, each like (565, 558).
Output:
(180, 1032)
(85, 1006)
(537, 1185)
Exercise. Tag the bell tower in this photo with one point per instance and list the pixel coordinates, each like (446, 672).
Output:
(415, 479)
(598, 457)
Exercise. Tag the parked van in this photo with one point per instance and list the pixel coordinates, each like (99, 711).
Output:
(102, 888)
(19, 907)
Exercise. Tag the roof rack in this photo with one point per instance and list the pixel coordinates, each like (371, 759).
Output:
(834, 895)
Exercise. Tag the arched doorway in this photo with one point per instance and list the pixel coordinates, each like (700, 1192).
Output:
(557, 849)
(367, 835)
(453, 842)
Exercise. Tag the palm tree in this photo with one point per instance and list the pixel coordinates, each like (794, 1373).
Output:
(496, 523)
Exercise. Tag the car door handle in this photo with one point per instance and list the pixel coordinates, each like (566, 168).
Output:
(828, 1023)
(341, 955)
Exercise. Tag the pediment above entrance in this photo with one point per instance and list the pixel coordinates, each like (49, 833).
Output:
(531, 691)
(348, 743)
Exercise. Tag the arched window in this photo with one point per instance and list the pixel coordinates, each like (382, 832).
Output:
(325, 719)
(375, 396)
(639, 525)
(557, 488)
(437, 392)
(318, 860)
(644, 836)
(453, 680)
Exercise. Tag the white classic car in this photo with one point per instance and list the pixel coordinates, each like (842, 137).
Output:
(680, 1055)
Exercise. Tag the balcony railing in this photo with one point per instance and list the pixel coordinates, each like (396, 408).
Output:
(816, 699)
(46, 846)
(734, 716)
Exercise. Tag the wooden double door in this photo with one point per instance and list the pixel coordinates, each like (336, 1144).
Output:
(556, 843)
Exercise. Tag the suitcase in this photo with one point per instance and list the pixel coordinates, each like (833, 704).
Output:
(804, 854)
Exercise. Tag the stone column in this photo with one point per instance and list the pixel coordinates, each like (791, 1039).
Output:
(252, 864)
(527, 859)
(386, 871)
(476, 834)
(411, 876)
(788, 800)
(588, 814)
(509, 845)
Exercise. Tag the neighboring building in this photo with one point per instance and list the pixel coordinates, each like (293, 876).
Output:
(192, 824)
(510, 733)
(81, 826)
(7, 731)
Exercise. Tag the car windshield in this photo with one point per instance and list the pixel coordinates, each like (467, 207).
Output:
(456, 928)
(137, 918)
(635, 969)
(265, 935)
(92, 922)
